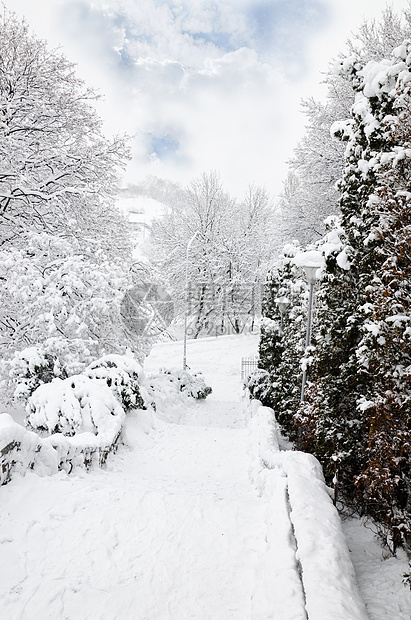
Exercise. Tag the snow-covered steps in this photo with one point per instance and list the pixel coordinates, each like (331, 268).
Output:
(326, 572)
(171, 529)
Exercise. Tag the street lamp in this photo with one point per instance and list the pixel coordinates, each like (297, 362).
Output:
(310, 262)
(186, 301)
(282, 304)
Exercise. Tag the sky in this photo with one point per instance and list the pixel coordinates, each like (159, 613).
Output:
(203, 85)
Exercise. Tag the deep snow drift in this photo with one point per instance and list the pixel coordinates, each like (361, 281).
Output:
(172, 527)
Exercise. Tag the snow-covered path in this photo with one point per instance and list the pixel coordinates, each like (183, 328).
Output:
(171, 528)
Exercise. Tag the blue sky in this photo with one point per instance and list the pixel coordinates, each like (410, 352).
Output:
(202, 84)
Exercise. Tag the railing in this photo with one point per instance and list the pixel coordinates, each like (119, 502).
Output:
(248, 365)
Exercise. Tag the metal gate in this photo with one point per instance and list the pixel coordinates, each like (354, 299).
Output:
(248, 365)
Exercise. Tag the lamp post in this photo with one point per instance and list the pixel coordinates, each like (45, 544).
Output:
(282, 304)
(311, 273)
(186, 301)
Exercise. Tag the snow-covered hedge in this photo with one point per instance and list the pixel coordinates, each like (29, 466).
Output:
(22, 450)
(77, 422)
(123, 375)
(30, 368)
(74, 405)
(259, 385)
(327, 574)
(169, 385)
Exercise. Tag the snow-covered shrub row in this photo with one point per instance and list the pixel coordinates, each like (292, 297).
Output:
(356, 414)
(260, 386)
(80, 418)
(123, 375)
(21, 450)
(93, 402)
(172, 385)
(327, 573)
(74, 405)
(32, 367)
(96, 401)
(77, 418)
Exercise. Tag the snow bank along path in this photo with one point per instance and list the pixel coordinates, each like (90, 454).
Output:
(171, 528)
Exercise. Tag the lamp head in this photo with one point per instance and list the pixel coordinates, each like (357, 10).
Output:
(311, 272)
(310, 261)
(282, 303)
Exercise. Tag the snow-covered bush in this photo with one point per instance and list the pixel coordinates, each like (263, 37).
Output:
(260, 386)
(191, 384)
(30, 368)
(123, 375)
(169, 385)
(74, 405)
(282, 339)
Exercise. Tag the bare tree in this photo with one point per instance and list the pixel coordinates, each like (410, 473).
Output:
(310, 194)
(227, 258)
(57, 171)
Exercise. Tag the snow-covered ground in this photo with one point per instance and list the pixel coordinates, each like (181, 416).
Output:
(172, 527)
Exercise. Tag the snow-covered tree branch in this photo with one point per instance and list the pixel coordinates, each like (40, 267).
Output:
(228, 258)
(57, 170)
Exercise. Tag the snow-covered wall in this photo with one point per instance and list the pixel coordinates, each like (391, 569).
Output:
(321, 553)
(21, 450)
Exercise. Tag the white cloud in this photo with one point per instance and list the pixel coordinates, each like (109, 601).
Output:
(202, 84)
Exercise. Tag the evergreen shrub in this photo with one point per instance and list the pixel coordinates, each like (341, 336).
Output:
(123, 375)
(260, 386)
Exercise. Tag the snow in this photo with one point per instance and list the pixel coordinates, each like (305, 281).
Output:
(199, 515)
(397, 319)
(379, 77)
(332, 243)
(343, 128)
(379, 575)
(332, 240)
(28, 450)
(321, 554)
(75, 405)
(343, 261)
(125, 363)
(310, 258)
